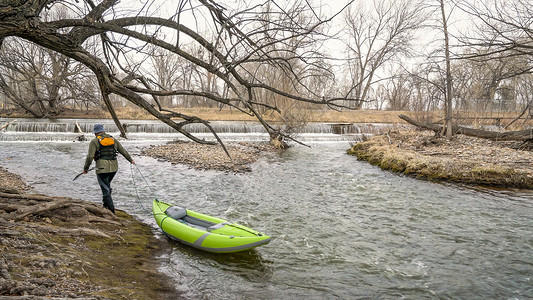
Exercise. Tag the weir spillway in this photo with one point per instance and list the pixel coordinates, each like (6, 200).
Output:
(68, 129)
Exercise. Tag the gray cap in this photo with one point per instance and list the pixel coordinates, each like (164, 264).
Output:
(98, 128)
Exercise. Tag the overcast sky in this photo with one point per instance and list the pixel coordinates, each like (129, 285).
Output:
(426, 39)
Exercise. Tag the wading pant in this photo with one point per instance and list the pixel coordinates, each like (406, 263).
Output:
(104, 179)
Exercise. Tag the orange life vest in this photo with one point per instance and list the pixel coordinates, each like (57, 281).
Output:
(106, 149)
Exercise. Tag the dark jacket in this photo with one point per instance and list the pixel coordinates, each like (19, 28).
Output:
(104, 165)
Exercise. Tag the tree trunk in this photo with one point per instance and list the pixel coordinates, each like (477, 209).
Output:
(7, 124)
(111, 109)
(449, 96)
(521, 135)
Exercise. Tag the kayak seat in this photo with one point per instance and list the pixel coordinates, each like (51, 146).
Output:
(176, 212)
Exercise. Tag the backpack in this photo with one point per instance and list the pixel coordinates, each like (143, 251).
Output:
(106, 149)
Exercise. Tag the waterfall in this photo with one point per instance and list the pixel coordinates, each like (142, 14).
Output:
(66, 129)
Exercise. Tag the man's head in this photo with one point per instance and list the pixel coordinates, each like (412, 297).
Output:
(98, 128)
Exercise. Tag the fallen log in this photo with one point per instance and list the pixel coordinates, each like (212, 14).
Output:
(80, 137)
(7, 124)
(521, 135)
(78, 129)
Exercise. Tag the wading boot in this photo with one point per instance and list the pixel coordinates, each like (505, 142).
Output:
(108, 203)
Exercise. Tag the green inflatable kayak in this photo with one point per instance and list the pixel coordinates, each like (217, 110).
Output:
(205, 232)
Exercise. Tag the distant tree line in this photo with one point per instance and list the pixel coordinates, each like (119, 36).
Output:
(266, 57)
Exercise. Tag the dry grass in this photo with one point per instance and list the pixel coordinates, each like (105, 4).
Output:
(464, 159)
(477, 120)
(226, 114)
(325, 116)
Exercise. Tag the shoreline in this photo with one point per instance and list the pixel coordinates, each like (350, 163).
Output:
(463, 159)
(63, 247)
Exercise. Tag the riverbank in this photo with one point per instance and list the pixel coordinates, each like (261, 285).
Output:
(226, 114)
(68, 248)
(463, 159)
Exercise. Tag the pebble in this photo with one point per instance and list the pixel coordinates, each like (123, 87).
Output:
(210, 157)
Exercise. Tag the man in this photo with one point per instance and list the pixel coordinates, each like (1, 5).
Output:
(103, 149)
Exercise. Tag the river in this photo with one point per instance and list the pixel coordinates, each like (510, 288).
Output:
(341, 228)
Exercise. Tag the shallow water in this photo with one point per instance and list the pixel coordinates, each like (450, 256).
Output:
(341, 228)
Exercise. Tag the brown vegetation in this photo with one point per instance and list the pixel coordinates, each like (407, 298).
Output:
(473, 119)
(214, 114)
(62, 247)
(463, 159)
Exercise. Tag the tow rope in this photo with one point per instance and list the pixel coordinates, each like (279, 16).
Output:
(135, 185)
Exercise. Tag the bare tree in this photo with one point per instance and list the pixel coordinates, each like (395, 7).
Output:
(166, 66)
(235, 48)
(42, 81)
(172, 72)
(502, 27)
(377, 34)
(479, 83)
(507, 38)
(398, 91)
(436, 70)
(524, 97)
(448, 102)
(503, 31)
